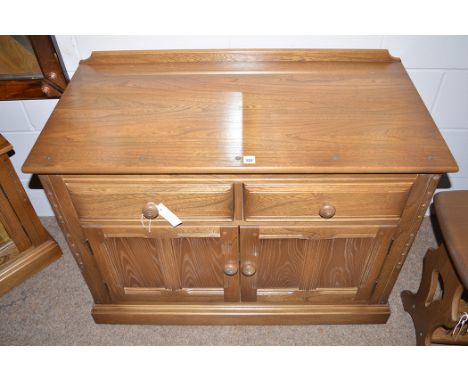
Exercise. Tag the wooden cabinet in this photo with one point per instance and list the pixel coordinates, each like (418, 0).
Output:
(282, 251)
(300, 176)
(25, 246)
(31, 67)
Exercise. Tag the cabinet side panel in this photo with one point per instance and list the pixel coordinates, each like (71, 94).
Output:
(374, 263)
(69, 223)
(20, 202)
(413, 214)
(12, 225)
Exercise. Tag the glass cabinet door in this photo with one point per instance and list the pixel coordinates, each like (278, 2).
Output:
(17, 59)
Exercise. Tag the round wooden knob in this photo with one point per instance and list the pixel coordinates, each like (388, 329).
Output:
(248, 269)
(230, 269)
(52, 75)
(150, 210)
(327, 211)
(46, 90)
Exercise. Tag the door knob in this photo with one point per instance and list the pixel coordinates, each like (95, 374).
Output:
(150, 210)
(230, 269)
(248, 269)
(327, 211)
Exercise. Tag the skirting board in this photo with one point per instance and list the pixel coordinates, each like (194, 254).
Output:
(240, 314)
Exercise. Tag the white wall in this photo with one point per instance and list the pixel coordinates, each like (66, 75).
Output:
(438, 65)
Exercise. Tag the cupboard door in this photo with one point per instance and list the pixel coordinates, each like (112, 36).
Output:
(320, 266)
(188, 266)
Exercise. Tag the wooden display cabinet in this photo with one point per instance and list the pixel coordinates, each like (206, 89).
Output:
(25, 246)
(301, 178)
(31, 68)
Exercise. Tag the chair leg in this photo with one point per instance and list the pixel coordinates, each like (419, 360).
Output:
(427, 314)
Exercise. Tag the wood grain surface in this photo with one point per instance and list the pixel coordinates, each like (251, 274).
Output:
(12, 224)
(416, 206)
(452, 211)
(113, 198)
(351, 197)
(42, 77)
(297, 111)
(68, 221)
(17, 60)
(314, 230)
(27, 263)
(5, 146)
(107, 198)
(430, 312)
(13, 189)
(240, 314)
(287, 269)
(29, 247)
(165, 268)
(239, 55)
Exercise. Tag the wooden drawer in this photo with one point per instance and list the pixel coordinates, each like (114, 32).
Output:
(122, 198)
(340, 197)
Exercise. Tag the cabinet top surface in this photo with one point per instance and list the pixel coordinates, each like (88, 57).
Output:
(295, 111)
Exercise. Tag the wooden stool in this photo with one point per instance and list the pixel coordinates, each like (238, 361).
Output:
(435, 318)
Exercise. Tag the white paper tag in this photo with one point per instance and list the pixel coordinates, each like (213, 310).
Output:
(249, 159)
(167, 214)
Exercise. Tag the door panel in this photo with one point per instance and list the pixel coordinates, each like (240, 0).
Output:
(281, 267)
(320, 269)
(163, 268)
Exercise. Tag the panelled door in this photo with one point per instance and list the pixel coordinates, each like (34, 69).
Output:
(276, 264)
(311, 264)
(185, 265)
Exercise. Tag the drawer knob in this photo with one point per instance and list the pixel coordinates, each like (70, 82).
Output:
(327, 211)
(248, 269)
(230, 269)
(150, 211)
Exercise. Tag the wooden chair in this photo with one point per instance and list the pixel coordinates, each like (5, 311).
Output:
(436, 315)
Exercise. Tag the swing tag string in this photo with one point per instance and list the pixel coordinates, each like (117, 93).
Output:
(142, 220)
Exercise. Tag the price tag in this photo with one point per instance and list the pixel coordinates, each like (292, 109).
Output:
(249, 159)
(167, 214)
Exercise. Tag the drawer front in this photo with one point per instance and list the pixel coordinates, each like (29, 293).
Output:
(123, 198)
(322, 199)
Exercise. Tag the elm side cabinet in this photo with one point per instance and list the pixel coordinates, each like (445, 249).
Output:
(301, 178)
(25, 246)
